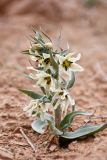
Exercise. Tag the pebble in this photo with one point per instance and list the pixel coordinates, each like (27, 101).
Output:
(52, 148)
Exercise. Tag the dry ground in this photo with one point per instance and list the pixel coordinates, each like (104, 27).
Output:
(86, 31)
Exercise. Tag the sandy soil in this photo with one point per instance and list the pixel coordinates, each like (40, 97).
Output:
(86, 31)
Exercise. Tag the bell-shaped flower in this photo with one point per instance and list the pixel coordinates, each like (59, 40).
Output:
(34, 55)
(62, 98)
(46, 62)
(68, 63)
(37, 108)
(45, 80)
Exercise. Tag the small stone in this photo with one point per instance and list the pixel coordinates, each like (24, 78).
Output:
(52, 148)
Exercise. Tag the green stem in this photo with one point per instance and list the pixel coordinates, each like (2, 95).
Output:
(58, 116)
(73, 108)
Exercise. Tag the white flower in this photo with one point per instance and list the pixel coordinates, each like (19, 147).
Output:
(46, 61)
(37, 108)
(34, 55)
(68, 63)
(45, 80)
(63, 98)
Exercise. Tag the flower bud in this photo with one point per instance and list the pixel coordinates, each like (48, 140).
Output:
(36, 46)
(48, 45)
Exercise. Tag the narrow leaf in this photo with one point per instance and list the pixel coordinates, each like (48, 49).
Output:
(31, 94)
(29, 77)
(49, 117)
(39, 37)
(68, 119)
(47, 36)
(26, 52)
(64, 52)
(54, 64)
(84, 131)
(71, 81)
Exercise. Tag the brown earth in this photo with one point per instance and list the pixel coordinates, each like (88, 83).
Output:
(85, 28)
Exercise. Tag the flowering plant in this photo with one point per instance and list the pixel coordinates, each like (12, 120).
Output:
(54, 72)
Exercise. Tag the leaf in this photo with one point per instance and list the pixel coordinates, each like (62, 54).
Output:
(26, 52)
(29, 77)
(54, 64)
(46, 36)
(68, 119)
(39, 37)
(31, 94)
(84, 131)
(58, 41)
(29, 52)
(54, 130)
(64, 52)
(73, 108)
(49, 117)
(39, 126)
(71, 81)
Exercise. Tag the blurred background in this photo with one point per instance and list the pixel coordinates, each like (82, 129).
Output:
(83, 24)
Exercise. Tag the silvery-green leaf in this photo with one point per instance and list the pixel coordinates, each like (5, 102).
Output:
(49, 117)
(68, 119)
(54, 64)
(73, 108)
(39, 126)
(39, 37)
(29, 77)
(71, 80)
(58, 40)
(47, 36)
(64, 52)
(26, 52)
(31, 94)
(54, 130)
(38, 40)
(84, 131)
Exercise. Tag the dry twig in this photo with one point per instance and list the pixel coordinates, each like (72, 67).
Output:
(27, 139)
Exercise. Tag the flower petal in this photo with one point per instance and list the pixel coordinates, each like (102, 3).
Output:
(31, 68)
(74, 59)
(60, 58)
(76, 68)
(46, 55)
(70, 55)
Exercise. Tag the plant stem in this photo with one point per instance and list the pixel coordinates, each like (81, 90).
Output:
(58, 116)
(73, 108)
